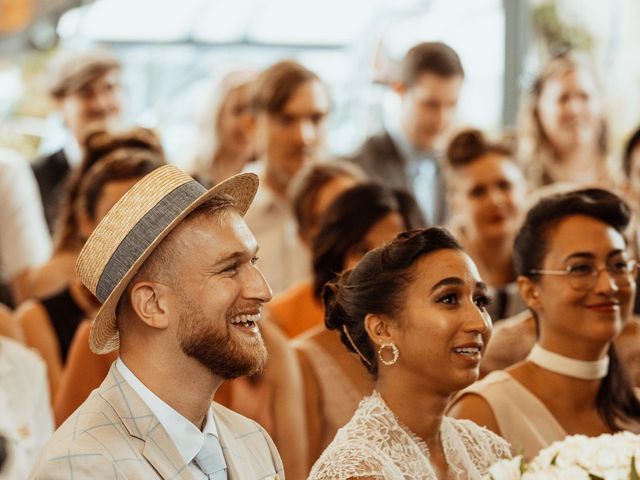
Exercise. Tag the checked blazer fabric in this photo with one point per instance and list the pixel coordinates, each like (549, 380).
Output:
(114, 435)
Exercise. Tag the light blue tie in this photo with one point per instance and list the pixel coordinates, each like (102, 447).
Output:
(211, 460)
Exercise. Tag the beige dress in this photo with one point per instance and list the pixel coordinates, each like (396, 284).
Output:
(340, 380)
(524, 421)
(340, 397)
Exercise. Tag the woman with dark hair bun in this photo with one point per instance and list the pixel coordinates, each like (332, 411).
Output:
(577, 278)
(362, 218)
(414, 312)
(486, 191)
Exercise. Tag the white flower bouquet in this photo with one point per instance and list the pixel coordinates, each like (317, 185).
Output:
(607, 457)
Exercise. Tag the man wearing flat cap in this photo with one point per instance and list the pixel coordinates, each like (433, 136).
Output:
(174, 268)
(85, 87)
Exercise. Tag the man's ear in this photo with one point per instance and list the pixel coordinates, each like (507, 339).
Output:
(530, 293)
(377, 326)
(151, 301)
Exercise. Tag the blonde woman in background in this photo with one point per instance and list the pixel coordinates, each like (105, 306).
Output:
(225, 139)
(562, 131)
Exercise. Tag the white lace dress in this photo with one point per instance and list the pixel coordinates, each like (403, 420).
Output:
(375, 444)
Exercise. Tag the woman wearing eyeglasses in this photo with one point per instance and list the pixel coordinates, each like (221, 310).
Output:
(575, 275)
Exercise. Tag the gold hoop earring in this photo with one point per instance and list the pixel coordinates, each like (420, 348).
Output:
(394, 351)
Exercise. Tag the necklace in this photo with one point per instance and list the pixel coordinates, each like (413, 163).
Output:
(570, 367)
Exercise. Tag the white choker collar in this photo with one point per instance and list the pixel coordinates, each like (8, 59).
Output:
(570, 367)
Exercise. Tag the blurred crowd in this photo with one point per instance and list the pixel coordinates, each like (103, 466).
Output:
(314, 217)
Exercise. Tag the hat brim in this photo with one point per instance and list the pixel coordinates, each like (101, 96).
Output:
(104, 337)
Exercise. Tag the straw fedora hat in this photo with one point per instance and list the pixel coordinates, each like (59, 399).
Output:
(134, 227)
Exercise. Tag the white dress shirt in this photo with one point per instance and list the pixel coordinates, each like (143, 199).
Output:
(24, 238)
(187, 438)
(282, 258)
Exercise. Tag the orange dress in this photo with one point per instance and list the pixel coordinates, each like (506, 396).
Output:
(296, 310)
(83, 373)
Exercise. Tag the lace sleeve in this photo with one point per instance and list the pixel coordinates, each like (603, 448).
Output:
(346, 460)
(482, 447)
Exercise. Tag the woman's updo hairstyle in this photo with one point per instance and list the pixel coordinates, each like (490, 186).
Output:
(100, 146)
(531, 243)
(378, 285)
(616, 399)
(470, 144)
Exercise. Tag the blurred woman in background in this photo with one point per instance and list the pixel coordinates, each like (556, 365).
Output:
(486, 197)
(225, 139)
(312, 190)
(55, 275)
(562, 131)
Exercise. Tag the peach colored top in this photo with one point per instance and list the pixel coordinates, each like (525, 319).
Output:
(296, 310)
(524, 421)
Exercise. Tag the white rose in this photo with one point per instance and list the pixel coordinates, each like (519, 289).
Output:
(557, 473)
(508, 469)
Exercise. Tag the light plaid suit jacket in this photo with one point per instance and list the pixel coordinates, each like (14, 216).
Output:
(114, 435)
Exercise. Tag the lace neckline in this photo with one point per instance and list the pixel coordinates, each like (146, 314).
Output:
(391, 415)
(376, 444)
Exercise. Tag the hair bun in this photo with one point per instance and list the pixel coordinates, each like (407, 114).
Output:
(334, 314)
(99, 143)
(466, 146)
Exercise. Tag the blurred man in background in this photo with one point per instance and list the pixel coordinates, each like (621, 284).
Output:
(289, 105)
(86, 88)
(407, 154)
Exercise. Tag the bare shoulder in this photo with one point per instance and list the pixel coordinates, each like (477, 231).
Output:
(31, 314)
(471, 406)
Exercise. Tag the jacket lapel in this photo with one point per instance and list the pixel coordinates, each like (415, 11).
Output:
(230, 448)
(137, 418)
(161, 452)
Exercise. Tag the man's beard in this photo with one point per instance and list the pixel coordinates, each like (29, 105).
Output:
(215, 348)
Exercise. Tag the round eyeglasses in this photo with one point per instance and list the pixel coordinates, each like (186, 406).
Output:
(583, 276)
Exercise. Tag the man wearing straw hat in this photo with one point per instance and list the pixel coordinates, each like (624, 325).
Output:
(174, 267)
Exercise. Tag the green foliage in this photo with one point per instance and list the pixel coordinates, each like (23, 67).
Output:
(558, 36)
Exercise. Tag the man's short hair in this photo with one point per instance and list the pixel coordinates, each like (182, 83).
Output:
(274, 86)
(72, 70)
(154, 267)
(430, 57)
